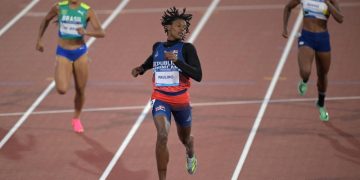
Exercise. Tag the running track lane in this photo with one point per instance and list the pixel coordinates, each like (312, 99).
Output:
(220, 132)
(292, 143)
(206, 133)
(91, 156)
(15, 150)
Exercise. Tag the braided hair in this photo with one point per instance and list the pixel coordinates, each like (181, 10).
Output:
(172, 14)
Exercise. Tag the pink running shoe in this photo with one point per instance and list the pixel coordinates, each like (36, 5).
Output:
(77, 126)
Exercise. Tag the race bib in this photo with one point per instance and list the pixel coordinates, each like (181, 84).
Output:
(70, 29)
(316, 6)
(167, 78)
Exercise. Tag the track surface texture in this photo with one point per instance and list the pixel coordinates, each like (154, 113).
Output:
(239, 47)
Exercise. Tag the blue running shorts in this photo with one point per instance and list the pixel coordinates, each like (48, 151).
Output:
(318, 41)
(182, 115)
(71, 55)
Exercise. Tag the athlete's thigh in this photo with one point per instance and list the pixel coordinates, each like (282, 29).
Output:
(81, 71)
(183, 132)
(161, 112)
(183, 120)
(323, 61)
(306, 57)
(63, 73)
(183, 116)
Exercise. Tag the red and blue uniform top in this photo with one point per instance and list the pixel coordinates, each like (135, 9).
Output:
(172, 80)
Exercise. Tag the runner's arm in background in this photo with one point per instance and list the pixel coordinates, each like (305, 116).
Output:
(43, 26)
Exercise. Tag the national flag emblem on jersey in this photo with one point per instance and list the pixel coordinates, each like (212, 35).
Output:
(160, 108)
(176, 52)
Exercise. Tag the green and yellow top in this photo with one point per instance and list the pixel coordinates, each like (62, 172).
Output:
(71, 19)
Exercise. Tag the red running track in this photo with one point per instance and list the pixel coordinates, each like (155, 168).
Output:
(239, 48)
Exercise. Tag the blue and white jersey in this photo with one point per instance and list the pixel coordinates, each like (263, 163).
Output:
(315, 9)
(166, 73)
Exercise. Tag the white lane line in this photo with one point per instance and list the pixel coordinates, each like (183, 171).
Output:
(118, 9)
(197, 8)
(203, 104)
(267, 97)
(111, 18)
(224, 103)
(203, 21)
(147, 108)
(72, 110)
(126, 141)
(26, 114)
(18, 16)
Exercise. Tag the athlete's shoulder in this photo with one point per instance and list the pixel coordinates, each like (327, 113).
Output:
(85, 6)
(155, 45)
(189, 46)
(63, 3)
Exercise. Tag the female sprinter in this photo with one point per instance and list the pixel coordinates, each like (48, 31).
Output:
(314, 42)
(71, 53)
(174, 62)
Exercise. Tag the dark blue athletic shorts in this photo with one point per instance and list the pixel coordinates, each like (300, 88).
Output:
(71, 55)
(182, 115)
(318, 41)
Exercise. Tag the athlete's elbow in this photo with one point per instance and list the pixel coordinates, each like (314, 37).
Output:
(340, 19)
(287, 9)
(102, 34)
(198, 78)
(45, 22)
